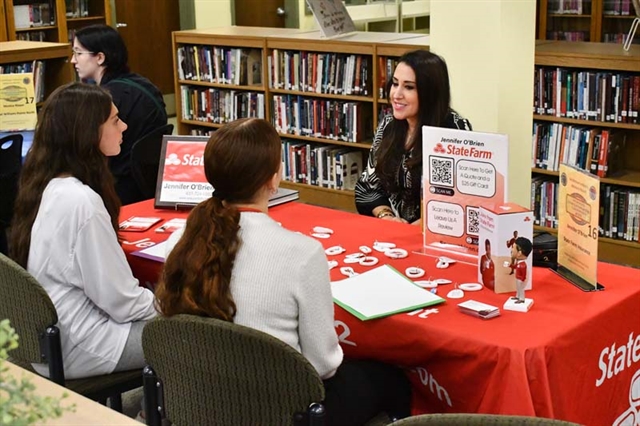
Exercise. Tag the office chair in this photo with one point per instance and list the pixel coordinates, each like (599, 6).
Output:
(464, 419)
(10, 166)
(145, 159)
(32, 314)
(204, 371)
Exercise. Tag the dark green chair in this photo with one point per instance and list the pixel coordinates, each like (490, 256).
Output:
(28, 306)
(478, 420)
(204, 371)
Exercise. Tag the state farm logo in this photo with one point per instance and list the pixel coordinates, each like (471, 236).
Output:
(439, 149)
(173, 160)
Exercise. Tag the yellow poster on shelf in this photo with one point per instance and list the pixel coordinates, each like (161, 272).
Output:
(578, 211)
(17, 102)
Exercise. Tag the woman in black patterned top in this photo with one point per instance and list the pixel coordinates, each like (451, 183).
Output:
(419, 94)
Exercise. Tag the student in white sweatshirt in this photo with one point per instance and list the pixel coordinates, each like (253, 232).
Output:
(235, 263)
(65, 233)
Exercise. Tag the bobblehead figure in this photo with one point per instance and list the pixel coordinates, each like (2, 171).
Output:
(520, 250)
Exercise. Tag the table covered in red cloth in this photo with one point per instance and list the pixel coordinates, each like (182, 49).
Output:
(575, 356)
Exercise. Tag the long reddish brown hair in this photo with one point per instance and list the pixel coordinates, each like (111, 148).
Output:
(239, 160)
(66, 142)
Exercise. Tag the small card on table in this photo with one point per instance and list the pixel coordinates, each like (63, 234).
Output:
(138, 223)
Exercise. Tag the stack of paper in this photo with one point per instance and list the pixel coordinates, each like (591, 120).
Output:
(479, 309)
(380, 292)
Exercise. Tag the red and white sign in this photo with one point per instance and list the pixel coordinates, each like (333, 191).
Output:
(182, 179)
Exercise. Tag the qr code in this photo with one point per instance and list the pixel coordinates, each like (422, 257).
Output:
(441, 171)
(473, 220)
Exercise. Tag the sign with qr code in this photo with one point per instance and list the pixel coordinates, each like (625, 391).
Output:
(461, 171)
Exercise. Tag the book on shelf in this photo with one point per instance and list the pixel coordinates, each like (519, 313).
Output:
(321, 118)
(604, 96)
(219, 106)
(619, 208)
(325, 166)
(326, 73)
(76, 8)
(220, 65)
(34, 15)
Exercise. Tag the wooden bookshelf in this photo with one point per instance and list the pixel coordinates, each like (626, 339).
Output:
(363, 48)
(3, 22)
(55, 55)
(99, 12)
(598, 57)
(590, 20)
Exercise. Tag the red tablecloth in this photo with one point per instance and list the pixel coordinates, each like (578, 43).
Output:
(572, 357)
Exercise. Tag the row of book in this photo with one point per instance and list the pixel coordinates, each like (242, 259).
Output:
(32, 35)
(595, 150)
(330, 73)
(221, 65)
(325, 166)
(618, 7)
(35, 67)
(572, 7)
(34, 15)
(322, 118)
(220, 106)
(619, 208)
(619, 38)
(587, 95)
(76, 8)
(386, 67)
(568, 35)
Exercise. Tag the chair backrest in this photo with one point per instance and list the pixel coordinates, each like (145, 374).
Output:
(10, 166)
(28, 306)
(217, 372)
(455, 419)
(145, 159)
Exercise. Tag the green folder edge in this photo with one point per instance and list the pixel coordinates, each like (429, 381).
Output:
(363, 317)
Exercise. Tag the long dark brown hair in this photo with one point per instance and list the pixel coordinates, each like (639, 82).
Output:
(434, 98)
(239, 160)
(66, 142)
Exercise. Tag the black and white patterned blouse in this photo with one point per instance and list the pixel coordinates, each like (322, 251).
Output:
(369, 192)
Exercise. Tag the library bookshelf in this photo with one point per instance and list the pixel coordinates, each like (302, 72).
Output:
(322, 95)
(585, 20)
(587, 114)
(58, 20)
(55, 56)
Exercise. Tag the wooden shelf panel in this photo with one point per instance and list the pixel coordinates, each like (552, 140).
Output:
(326, 141)
(609, 249)
(629, 178)
(568, 15)
(353, 98)
(86, 19)
(566, 120)
(201, 38)
(221, 85)
(578, 54)
(25, 51)
(326, 197)
(41, 28)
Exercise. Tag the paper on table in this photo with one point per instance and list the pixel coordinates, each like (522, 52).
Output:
(156, 252)
(380, 292)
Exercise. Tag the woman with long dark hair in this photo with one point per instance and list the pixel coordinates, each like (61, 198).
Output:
(419, 94)
(233, 262)
(65, 228)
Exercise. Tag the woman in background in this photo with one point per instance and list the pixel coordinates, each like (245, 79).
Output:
(419, 94)
(235, 263)
(64, 233)
(100, 55)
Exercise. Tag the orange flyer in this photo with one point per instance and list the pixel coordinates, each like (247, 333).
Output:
(578, 212)
(461, 171)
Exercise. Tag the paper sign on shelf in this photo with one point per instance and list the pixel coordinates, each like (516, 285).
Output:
(579, 210)
(332, 17)
(461, 171)
(17, 102)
